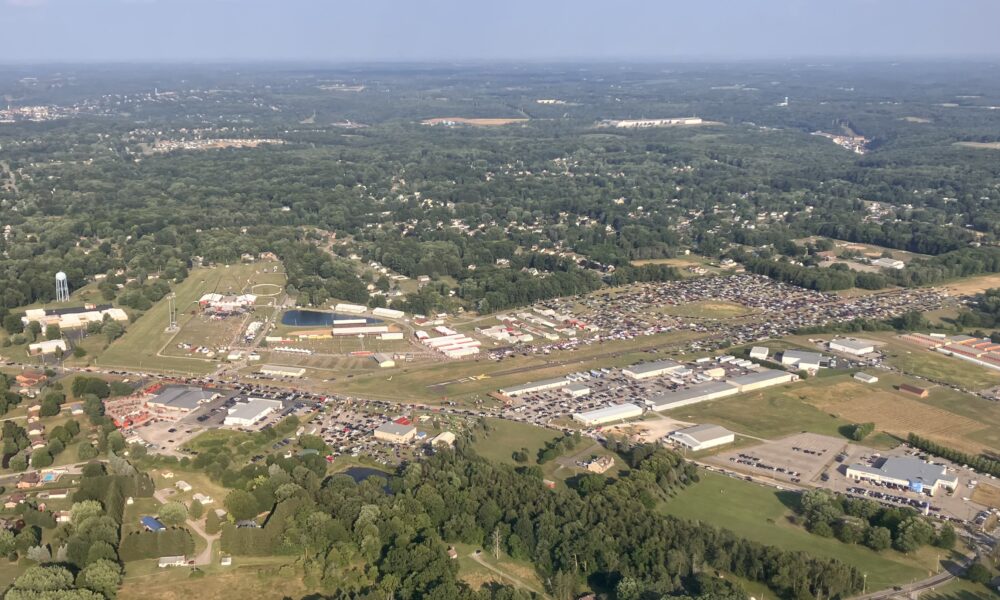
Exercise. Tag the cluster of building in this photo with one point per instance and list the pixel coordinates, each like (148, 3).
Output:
(225, 304)
(75, 317)
(170, 402)
(981, 351)
(449, 342)
(644, 123)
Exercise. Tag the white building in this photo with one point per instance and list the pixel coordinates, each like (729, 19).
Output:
(351, 309)
(762, 379)
(702, 437)
(395, 433)
(47, 347)
(535, 386)
(282, 371)
(576, 390)
(388, 313)
(445, 438)
(383, 360)
(652, 369)
(801, 359)
(608, 414)
(889, 263)
(909, 471)
(699, 392)
(852, 346)
(759, 352)
(865, 377)
(244, 414)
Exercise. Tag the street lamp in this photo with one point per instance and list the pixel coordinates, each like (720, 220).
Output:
(864, 584)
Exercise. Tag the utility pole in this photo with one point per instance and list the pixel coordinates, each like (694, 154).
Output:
(496, 543)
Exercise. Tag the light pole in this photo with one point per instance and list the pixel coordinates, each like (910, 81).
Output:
(864, 584)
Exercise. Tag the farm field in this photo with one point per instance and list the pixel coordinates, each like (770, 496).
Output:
(761, 514)
(987, 495)
(144, 339)
(915, 359)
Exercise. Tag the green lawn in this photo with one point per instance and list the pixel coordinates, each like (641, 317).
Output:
(761, 514)
(918, 361)
(507, 436)
(959, 589)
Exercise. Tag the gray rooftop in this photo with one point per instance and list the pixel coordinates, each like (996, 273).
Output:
(908, 468)
(704, 432)
(188, 398)
(651, 367)
(853, 343)
(576, 387)
(393, 428)
(758, 376)
(610, 412)
(661, 400)
(803, 356)
(514, 389)
(252, 408)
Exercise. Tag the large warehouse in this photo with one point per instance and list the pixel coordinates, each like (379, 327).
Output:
(918, 475)
(700, 392)
(802, 359)
(608, 414)
(535, 386)
(395, 433)
(73, 318)
(179, 399)
(852, 346)
(282, 371)
(245, 414)
(702, 437)
(762, 379)
(652, 369)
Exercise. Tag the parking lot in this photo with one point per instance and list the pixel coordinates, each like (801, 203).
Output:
(799, 458)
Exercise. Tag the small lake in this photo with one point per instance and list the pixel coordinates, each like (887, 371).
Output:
(317, 318)
(359, 474)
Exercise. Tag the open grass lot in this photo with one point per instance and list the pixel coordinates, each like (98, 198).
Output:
(973, 285)
(980, 145)
(477, 572)
(987, 495)
(144, 339)
(505, 437)
(708, 309)
(472, 379)
(770, 413)
(247, 578)
(761, 514)
(487, 122)
(959, 589)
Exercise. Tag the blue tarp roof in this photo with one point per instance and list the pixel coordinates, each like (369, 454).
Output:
(152, 523)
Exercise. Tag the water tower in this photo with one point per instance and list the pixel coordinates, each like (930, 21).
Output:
(62, 287)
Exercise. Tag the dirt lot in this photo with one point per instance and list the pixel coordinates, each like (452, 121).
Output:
(477, 122)
(897, 415)
(973, 285)
(648, 431)
(806, 454)
(987, 495)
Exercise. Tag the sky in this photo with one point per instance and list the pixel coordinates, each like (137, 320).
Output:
(334, 31)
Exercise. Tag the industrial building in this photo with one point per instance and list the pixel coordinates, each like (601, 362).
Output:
(535, 386)
(395, 433)
(759, 352)
(801, 359)
(383, 360)
(351, 309)
(762, 379)
(888, 263)
(73, 318)
(245, 414)
(652, 369)
(282, 371)
(576, 390)
(909, 471)
(388, 313)
(865, 377)
(179, 399)
(852, 346)
(47, 347)
(608, 414)
(701, 392)
(702, 437)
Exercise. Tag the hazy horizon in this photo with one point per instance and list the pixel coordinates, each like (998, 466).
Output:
(317, 31)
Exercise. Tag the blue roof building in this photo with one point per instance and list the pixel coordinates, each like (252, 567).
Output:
(152, 524)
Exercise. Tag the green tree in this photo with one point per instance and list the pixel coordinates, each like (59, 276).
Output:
(196, 510)
(242, 505)
(101, 576)
(173, 514)
(52, 331)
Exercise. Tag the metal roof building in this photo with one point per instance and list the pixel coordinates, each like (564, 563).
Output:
(247, 413)
(802, 359)
(700, 392)
(762, 379)
(608, 414)
(152, 524)
(652, 369)
(702, 437)
(918, 475)
(535, 386)
(181, 398)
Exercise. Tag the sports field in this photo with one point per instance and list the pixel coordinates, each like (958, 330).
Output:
(762, 514)
(145, 339)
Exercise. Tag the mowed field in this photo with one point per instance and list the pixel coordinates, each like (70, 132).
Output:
(915, 359)
(987, 495)
(762, 514)
(259, 578)
(144, 339)
(980, 145)
(708, 309)
(972, 285)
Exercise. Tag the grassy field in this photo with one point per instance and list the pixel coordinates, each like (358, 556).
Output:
(507, 436)
(144, 339)
(988, 495)
(258, 578)
(959, 589)
(980, 145)
(708, 309)
(761, 514)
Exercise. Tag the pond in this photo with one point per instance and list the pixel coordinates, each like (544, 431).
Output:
(317, 318)
(359, 474)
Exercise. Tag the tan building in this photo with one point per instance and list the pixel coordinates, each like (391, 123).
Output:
(394, 433)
